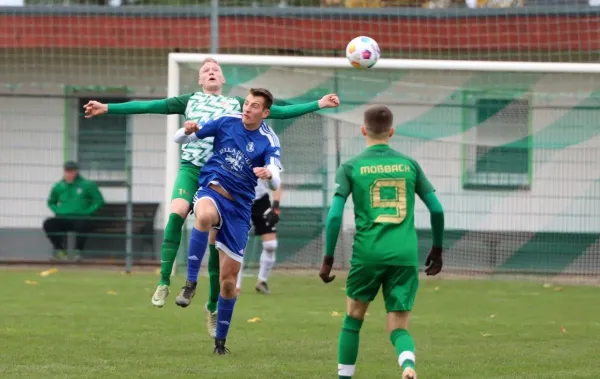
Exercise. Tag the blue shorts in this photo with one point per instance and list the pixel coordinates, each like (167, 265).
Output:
(234, 228)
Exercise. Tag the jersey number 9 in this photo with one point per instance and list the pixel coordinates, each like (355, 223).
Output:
(397, 201)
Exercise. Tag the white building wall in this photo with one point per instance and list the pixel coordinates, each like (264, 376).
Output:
(32, 124)
(31, 158)
(31, 142)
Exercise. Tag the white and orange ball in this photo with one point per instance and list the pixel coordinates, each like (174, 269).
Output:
(363, 52)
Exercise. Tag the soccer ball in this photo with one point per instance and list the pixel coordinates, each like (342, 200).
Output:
(363, 52)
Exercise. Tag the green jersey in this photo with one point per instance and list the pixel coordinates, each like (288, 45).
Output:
(383, 184)
(79, 198)
(201, 107)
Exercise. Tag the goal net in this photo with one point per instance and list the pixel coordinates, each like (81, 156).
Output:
(511, 148)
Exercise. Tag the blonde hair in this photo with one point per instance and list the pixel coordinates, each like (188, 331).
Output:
(209, 59)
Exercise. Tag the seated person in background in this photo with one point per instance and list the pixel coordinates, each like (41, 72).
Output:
(73, 200)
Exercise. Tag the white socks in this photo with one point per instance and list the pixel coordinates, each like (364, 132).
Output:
(267, 260)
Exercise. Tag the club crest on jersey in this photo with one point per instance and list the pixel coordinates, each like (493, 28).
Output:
(250, 147)
(235, 158)
(234, 162)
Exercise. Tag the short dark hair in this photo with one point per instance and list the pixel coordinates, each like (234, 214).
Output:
(265, 94)
(70, 166)
(378, 120)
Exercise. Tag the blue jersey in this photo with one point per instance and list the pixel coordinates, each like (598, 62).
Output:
(237, 151)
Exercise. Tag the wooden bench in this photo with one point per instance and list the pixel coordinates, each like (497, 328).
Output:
(109, 236)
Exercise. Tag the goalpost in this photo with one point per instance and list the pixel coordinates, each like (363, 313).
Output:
(494, 138)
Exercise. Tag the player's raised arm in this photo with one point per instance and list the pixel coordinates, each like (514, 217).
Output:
(291, 111)
(192, 131)
(171, 105)
(426, 192)
(343, 188)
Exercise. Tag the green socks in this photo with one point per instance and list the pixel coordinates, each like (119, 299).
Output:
(168, 252)
(170, 245)
(348, 347)
(405, 347)
(213, 279)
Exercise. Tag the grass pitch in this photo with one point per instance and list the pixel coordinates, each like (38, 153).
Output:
(94, 324)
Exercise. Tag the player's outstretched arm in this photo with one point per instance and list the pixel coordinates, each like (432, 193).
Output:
(434, 260)
(171, 105)
(291, 111)
(332, 231)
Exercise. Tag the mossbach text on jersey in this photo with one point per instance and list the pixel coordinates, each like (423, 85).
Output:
(384, 169)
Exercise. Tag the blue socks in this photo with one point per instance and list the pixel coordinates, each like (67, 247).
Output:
(224, 313)
(198, 243)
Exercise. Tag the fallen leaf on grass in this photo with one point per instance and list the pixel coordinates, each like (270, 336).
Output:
(111, 292)
(32, 282)
(254, 320)
(49, 272)
(563, 329)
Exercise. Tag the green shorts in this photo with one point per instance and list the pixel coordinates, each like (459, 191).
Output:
(186, 184)
(399, 285)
